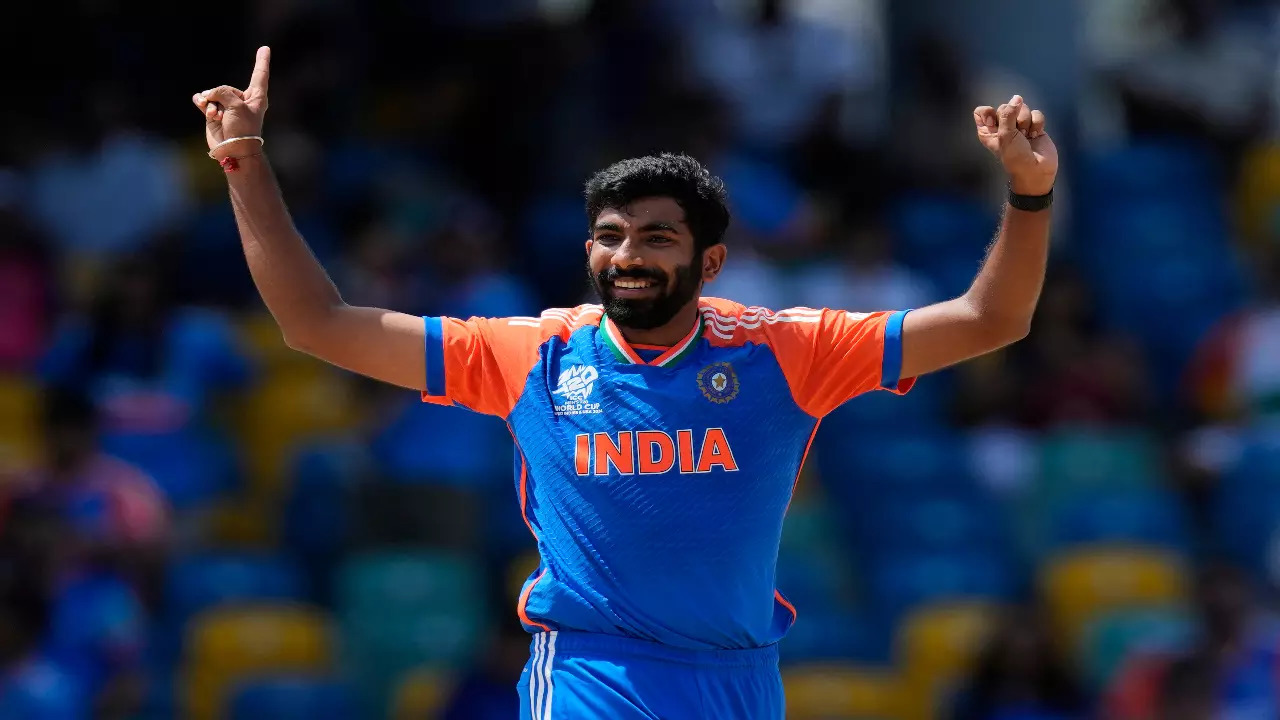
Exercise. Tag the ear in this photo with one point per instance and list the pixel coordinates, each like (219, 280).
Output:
(713, 261)
(590, 242)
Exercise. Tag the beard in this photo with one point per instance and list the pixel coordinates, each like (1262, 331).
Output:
(649, 313)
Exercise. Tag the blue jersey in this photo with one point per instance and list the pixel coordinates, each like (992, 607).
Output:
(655, 480)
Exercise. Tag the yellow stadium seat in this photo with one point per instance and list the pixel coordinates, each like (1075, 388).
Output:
(936, 647)
(518, 571)
(420, 694)
(227, 645)
(20, 438)
(841, 692)
(1080, 586)
(244, 523)
(286, 409)
(1258, 199)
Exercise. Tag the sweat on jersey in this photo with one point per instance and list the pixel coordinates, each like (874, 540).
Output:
(655, 480)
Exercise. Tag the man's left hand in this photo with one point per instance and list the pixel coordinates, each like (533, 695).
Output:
(1015, 134)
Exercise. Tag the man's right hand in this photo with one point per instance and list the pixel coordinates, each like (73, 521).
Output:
(231, 113)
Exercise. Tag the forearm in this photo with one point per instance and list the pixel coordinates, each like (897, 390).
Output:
(292, 283)
(1006, 290)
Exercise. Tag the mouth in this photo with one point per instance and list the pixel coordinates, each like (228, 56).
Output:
(634, 288)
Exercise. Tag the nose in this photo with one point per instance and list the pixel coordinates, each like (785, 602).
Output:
(627, 255)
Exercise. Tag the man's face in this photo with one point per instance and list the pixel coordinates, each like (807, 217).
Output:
(642, 262)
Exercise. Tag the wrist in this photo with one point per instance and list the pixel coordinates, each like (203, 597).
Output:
(237, 147)
(1030, 187)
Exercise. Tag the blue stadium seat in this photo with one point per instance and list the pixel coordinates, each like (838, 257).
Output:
(294, 698)
(1246, 503)
(873, 461)
(1149, 168)
(817, 580)
(899, 582)
(928, 227)
(1138, 517)
(198, 582)
(837, 635)
(318, 518)
(945, 518)
(466, 448)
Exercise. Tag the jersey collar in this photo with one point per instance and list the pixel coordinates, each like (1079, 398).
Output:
(625, 353)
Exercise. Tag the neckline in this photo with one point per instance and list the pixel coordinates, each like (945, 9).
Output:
(625, 353)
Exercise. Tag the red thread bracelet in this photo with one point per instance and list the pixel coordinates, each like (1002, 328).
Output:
(229, 164)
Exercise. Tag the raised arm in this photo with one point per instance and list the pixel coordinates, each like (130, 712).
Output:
(997, 309)
(311, 314)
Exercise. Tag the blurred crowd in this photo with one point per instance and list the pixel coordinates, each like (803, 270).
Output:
(197, 522)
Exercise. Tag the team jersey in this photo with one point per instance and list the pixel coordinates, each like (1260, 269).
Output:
(655, 480)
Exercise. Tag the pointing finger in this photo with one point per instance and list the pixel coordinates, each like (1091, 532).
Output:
(261, 71)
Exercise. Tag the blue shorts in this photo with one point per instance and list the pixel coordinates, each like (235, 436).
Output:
(586, 676)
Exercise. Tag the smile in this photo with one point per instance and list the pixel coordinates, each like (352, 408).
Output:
(633, 284)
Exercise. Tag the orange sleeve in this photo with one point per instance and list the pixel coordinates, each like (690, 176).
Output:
(831, 356)
(482, 363)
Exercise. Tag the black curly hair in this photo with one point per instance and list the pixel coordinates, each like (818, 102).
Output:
(677, 176)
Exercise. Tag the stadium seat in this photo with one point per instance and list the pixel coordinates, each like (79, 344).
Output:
(287, 408)
(962, 517)
(1081, 585)
(294, 698)
(859, 467)
(1140, 517)
(1149, 169)
(842, 692)
(936, 646)
(20, 440)
(518, 572)
(836, 635)
(378, 650)
(201, 581)
(228, 645)
(1081, 460)
(1245, 507)
(387, 582)
(900, 582)
(817, 580)
(1258, 200)
(926, 227)
(1111, 638)
(420, 693)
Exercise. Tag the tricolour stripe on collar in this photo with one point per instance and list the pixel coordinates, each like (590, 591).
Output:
(625, 353)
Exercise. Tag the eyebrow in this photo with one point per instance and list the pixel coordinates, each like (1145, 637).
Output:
(656, 226)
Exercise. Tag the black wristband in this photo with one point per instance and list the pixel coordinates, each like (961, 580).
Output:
(1030, 203)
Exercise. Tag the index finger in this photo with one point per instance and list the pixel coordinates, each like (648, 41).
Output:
(984, 116)
(261, 70)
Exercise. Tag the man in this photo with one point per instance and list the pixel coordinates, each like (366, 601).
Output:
(660, 433)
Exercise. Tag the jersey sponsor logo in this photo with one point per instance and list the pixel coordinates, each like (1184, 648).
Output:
(575, 386)
(718, 382)
(652, 452)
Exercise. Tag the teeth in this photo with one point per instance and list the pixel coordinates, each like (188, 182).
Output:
(632, 284)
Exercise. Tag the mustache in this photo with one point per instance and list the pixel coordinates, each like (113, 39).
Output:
(613, 274)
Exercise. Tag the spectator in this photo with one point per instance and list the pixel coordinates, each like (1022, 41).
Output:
(1235, 374)
(113, 513)
(1020, 675)
(26, 292)
(1238, 652)
(32, 685)
(152, 368)
(1082, 374)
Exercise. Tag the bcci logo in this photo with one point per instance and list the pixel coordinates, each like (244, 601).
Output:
(575, 386)
(718, 382)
